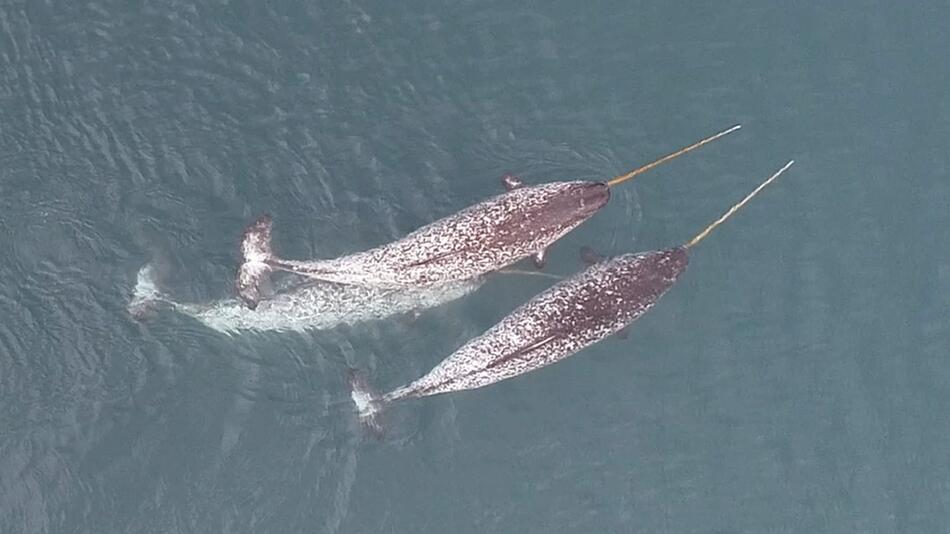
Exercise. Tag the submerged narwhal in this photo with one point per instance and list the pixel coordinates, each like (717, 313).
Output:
(487, 236)
(298, 304)
(555, 324)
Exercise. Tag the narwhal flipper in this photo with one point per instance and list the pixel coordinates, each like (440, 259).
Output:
(540, 258)
(511, 181)
(254, 273)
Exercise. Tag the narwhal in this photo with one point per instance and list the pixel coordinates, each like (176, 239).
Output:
(555, 324)
(298, 304)
(485, 237)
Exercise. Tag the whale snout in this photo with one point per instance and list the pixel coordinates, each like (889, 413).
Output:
(591, 196)
(579, 200)
(572, 203)
(676, 260)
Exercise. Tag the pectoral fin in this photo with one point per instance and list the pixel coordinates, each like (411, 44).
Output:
(540, 259)
(511, 182)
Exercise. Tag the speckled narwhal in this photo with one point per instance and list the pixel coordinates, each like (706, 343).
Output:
(521, 222)
(555, 324)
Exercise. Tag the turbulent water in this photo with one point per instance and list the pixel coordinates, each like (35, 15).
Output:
(796, 379)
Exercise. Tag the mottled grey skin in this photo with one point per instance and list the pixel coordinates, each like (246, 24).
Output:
(555, 324)
(480, 239)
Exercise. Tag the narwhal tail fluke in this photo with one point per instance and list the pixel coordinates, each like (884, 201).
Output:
(146, 296)
(256, 254)
(368, 403)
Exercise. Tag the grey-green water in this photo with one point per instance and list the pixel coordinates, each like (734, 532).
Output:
(795, 380)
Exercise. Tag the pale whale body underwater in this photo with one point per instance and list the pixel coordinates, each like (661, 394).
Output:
(557, 323)
(300, 304)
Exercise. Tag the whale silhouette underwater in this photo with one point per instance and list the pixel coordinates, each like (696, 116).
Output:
(437, 263)
(298, 304)
(566, 318)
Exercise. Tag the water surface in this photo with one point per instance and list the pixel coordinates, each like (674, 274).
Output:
(795, 380)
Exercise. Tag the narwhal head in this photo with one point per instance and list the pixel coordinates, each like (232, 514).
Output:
(571, 204)
(636, 281)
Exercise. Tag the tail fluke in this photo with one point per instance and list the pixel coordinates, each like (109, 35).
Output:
(368, 404)
(146, 296)
(255, 271)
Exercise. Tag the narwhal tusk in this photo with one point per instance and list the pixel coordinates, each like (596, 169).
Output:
(702, 235)
(624, 177)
